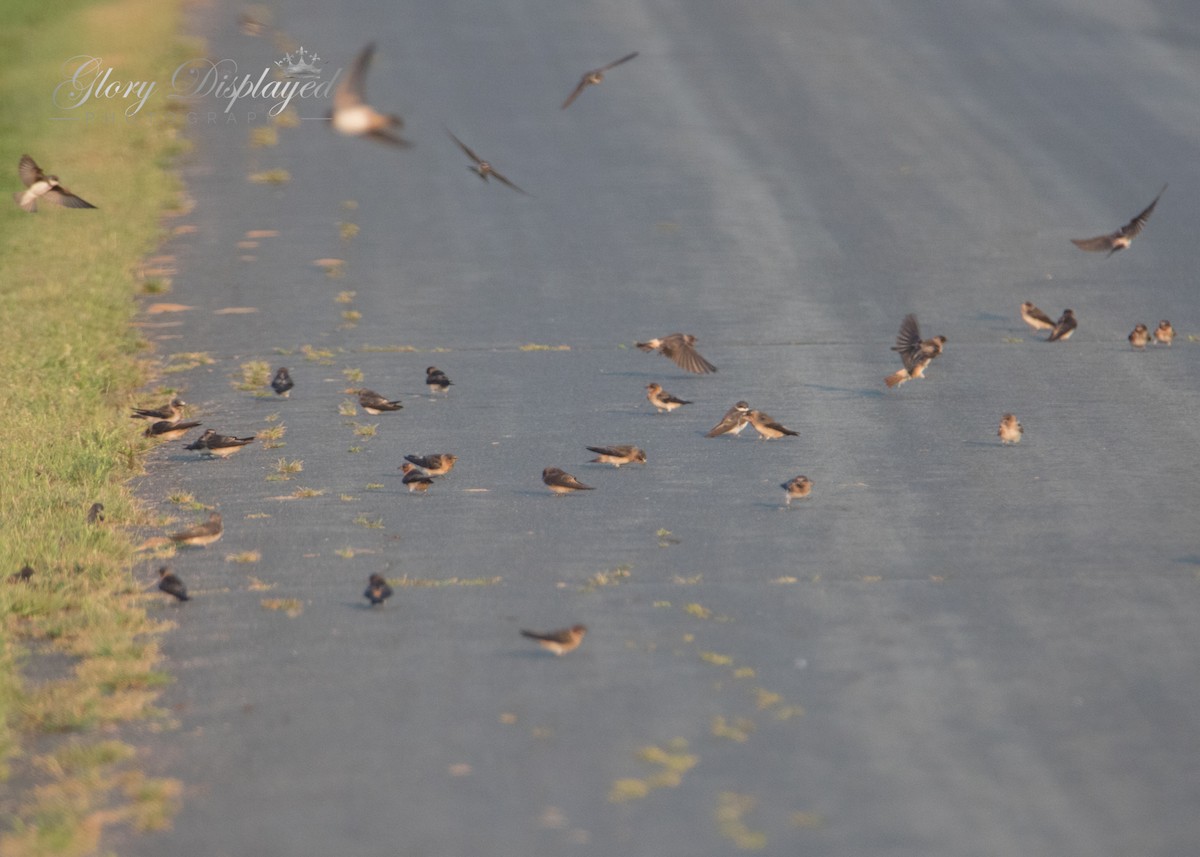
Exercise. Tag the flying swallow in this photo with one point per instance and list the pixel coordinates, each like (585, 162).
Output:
(377, 590)
(1123, 237)
(1035, 318)
(1064, 327)
(171, 411)
(733, 422)
(561, 482)
(200, 534)
(38, 185)
(373, 403)
(22, 576)
(1140, 337)
(680, 347)
(219, 445)
(437, 380)
(559, 642)
(1164, 333)
(169, 429)
(617, 455)
(768, 427)
(662, 400)
(915, 352)
(95, 514)
(250, 26)
(1010, 429)
(434, 465)
(169, 583)
(797, 488)
(282, 383)
(415, 478)
(593, 77)
(352, 115)
(482, 168)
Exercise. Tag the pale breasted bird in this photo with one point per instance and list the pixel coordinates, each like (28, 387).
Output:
(378, 590)
(373, 403)
(797, 488)
(171, 411)
(558, 642)
(39, 186)
(1140, 336)
(733, 422)
(916, 353)
(482, 168)
(662, 400)
(417, 480)
(1123, 237)
(1035, 318)
(768, 427)
(681, 348)
(352, 115)
(437, 381)
(617, 455)
(169, 583)
(593, 77)
(1164, 333)
(169, 429)
(201, 534)
(219, 445)
(561, 482)
(1064, 327)
(282, 383)
(1010, 429)
(434, 465)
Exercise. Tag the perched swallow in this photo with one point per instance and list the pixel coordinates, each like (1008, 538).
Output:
(593, 77)
(282, 383)
(220, 445)
(201, 534)
(768, 427)
(797, 488)
(617, 455)
(377, 590)
(680, 347)
(96, 514)
(733, 422)
(169, 429)
(373, 403)
(415, 478)
(1164, 333)
(1064, 327)
(38, 185)
(1010, 429)
(22, 576)
(352, 115)
(171, 411)
(561, 482)
(559, 642)
(169, 583)
(1123, 237)
(482, 168)
(1035, 318)
(915, 352)
(437, 380)
(434, 465)
(1140, 336)
(662, 400)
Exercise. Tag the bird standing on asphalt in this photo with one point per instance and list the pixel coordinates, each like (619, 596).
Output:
(561, 482)
(617, 455)
(282, 383)
(768, 427)
(1164, 333)
(1140, 337)
(437, 381)
(201, 535)
(168, 429)
(373, 403)
(916, 353)
(434, 465)
(352, 115)
(1035, 318)
(1064, 327)
(169, 583)
(377, 590)
(39, 186)
(558, 642)
(1010, 429)
(170, 412)
(662, 400)
(733, 422)
(797, 488)
(219, 445)
(1123, 237)
(681, 348)
(417, 480)
(482, 168)
(593, 77)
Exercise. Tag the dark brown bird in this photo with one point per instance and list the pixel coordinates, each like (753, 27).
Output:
(617, 455)
(354, 117)
(1164, 333)
(482, 168)
(416, 479)
(680, 347)
(559, 642)
(1123, 237)
(561, 482)
(593, 77)
(797, 488)
(1035, 318)
(377, 590)
(733, 422)
(915, 352)
(219, 445)
(282, 383)
(1140, 337)
(38, 185)
(373, 403)
(169, 583)
(22, 576)
(168, 429)
(200, 535)
(662, 400)
(1064, 327)
(170, 412)
(437, 380)
(434, 465)
(768, 427)
(1010, 430)
(95, 514)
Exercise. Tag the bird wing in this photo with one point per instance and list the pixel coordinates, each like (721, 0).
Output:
(1134, 227)
(29, 170)
(583, 83)
(616, 63)
(474, 157)
(350, 90)
(502, 179)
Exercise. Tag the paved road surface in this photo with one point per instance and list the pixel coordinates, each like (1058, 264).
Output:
(952, 649)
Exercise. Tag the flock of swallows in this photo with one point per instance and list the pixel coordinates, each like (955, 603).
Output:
(353, 116)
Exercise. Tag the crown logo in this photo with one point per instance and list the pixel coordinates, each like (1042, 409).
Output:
(302, 65)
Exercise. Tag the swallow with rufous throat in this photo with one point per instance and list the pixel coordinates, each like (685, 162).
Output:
(558, 642)
(617, 455)
(767, 427)
(282, 383)
(171, 411)
(1010, 429)
(95, 514)
(561, 482)
(797, 488)
(201, 534)
(482, 168)
(169, 583)
(1164, 333)
(1123, 237)
(733, 422)
(434, 465)
(169, 429)
(915, 352)
(417, 480)
(662, 400)
(681, 348)
(218, 445)
(1064, 327)
(373, 403)
(1035, 318)
(437, 381)
(38, 185)
(377, 590)
(1140, 337)
(352, 115)
(593, 77)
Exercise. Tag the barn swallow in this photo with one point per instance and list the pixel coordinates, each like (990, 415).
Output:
(415, 478)
(680, 347)
(377, 590)
(561, 482)
(373, 403)
(593, 77)
(201, 534)
(352, 115)
(1123, 237)
(733, 422)
(171, 411)
(437, 380)
(1064, 327)
(38, 185)
(1010, 429)
(559, 642)
(282, 383)
(482, 168)
(220, 445)
(1140, 336)
(617, 455)
(1164, 333)
(768, 427)
(22, 576)
(169, 583)
(917, 353)
(95, 514)
(434, 465)
(169, 429)
(797, 488)
(662, 400)
(1035, 318)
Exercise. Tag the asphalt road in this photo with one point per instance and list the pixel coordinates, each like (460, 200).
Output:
(953, 648)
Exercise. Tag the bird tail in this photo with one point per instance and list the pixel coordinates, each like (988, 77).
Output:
(897, 378)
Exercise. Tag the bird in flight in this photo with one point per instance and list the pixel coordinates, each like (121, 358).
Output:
(591, 78)
(915, 352)
(681, 348)
(38, 185)
(1123, 237)
(352, 115)
(482, 168)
